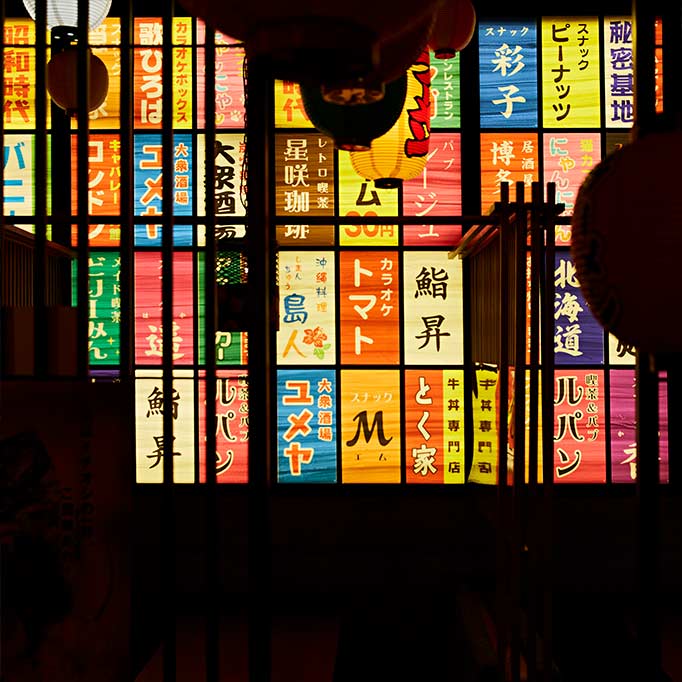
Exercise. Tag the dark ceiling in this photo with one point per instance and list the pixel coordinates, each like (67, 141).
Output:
(489, 8)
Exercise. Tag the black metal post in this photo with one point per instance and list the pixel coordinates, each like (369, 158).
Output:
(260, 252)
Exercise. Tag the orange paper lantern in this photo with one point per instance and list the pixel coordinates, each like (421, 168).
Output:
(62, 80)
(401, 153)
(315, 41)
(453, 28)
(627, 242)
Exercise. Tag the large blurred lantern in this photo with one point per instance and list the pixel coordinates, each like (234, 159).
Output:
(354, 127)
(62, 69)
(317, 41)
(62, 81)
(395, 56)
(401, 153)
(627, 242)
(65, 12)
(453, 29)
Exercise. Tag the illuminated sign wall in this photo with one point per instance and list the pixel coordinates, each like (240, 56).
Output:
(370, 373)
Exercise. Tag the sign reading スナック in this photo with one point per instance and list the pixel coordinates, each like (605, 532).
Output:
(307, 331)
(578, 337)
(623, 421)
(432, 306)
(620, 74)
(150, 406)
(568, 158)
(370, 426)
(434, 426)
(369, 307)
(571, 92)
(579, 427)
(508, 74)
(231, 426)
(306, 426)
(149, 310)
(436, 192)
(506, 157)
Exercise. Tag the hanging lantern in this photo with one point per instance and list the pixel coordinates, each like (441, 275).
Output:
(401, 153)
(65, 12)
(354, 127)
(453, 28)
(395, 55)
(627, 242)
(313, 40)
(62, 80)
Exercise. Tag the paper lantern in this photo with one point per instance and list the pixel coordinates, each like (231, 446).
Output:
(354, 127)
(65, 12)
(454, 27)
(401, 153)
(314, 40)
(395, 55)
(627, 242)
(62, 80)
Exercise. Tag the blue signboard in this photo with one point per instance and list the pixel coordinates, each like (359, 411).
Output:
(508, 58)
(306, 426)
(149, 184)
(578, 337)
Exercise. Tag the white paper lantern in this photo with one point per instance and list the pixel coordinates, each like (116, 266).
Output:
(65, 12)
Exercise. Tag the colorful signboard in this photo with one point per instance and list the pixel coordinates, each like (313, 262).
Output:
(578, 337)
(510, 158)
(369, 312)
(306, 426)
(370, 426)
(148, 308)
(434, 426)
(151, 446)
(307, 323)
(231, 426)
(508, 74)
(571, 94)
(568, 158)
(304, 175)
(432, 309)
(619, 73)
(580, 426)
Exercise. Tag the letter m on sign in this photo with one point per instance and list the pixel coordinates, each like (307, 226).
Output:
(367, 431)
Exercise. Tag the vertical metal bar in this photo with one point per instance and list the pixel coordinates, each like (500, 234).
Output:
(649, 635)
(168, 519)
(83, 73)
(260, 252)
(518, 496)
(127, 241)
(212, 554)
(646, 392)
(502, 550)
(536, 239)
(40, 334)
(547, 407)
(3, 255)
